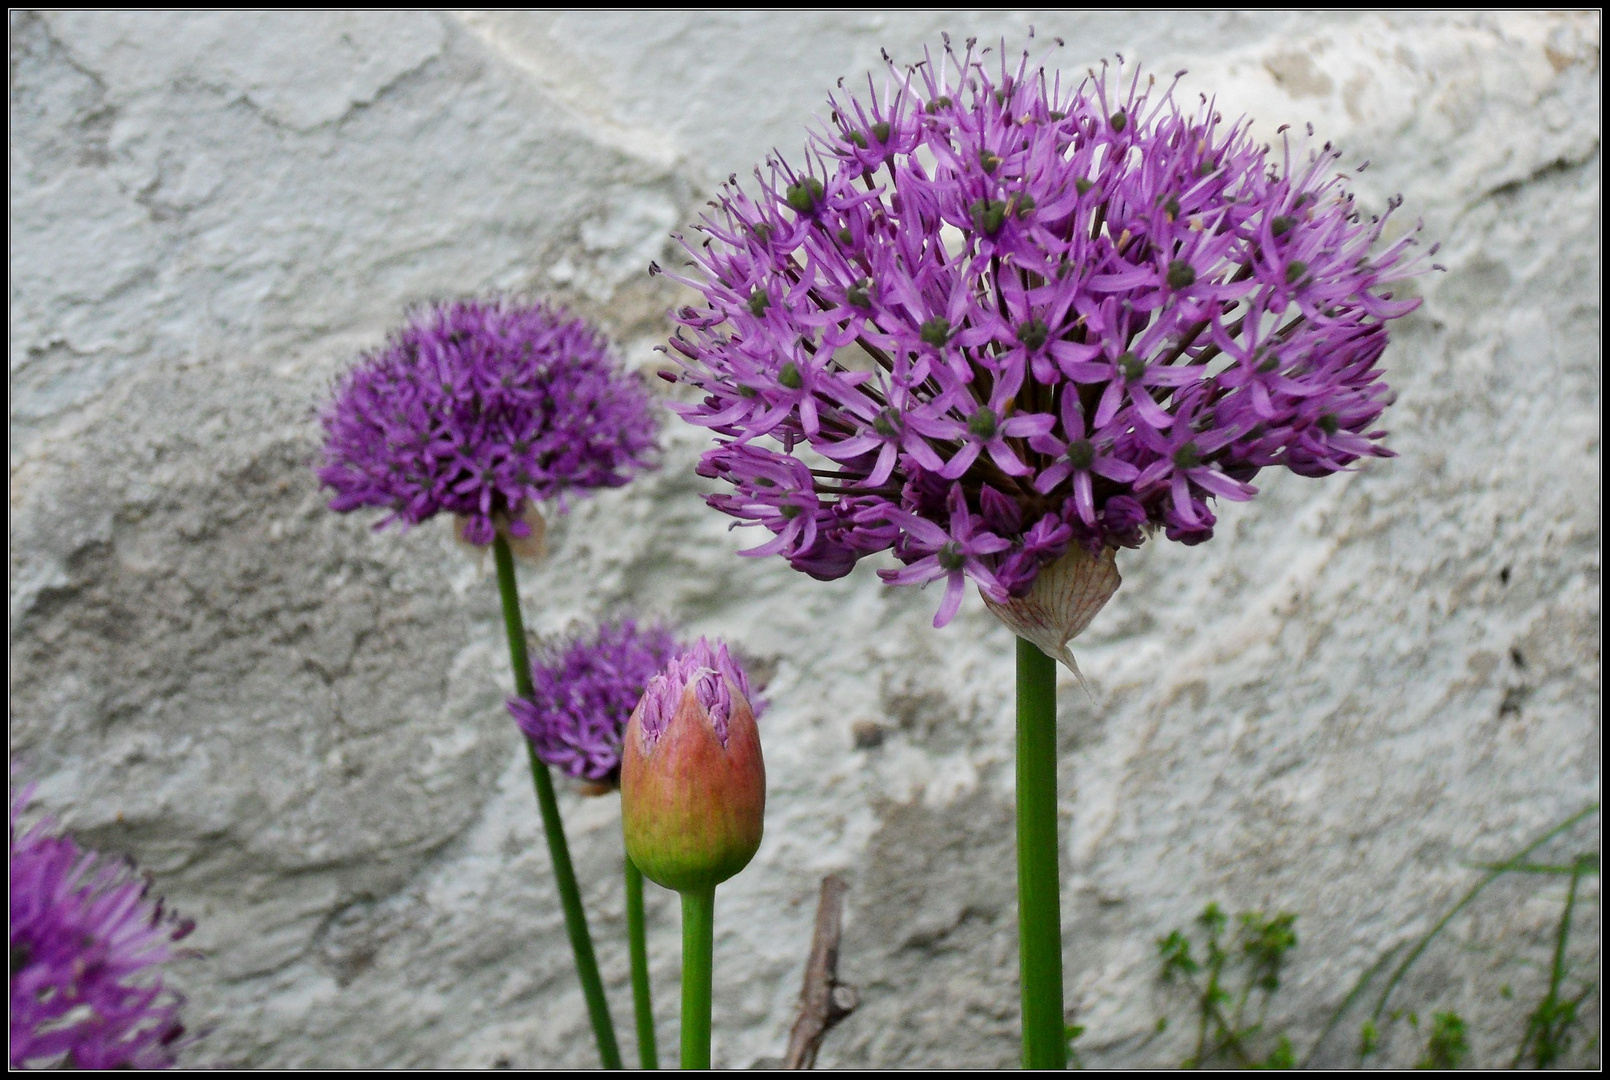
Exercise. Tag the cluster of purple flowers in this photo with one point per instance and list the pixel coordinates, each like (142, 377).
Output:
(996, 316)
(85, 941)
(475, 408)
(585, 691)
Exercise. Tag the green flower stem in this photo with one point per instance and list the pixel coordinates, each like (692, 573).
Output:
(1039, 884)
(642, 1001)
(581, 943)
(698, 949)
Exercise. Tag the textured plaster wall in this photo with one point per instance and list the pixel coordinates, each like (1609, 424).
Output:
(1362, 686)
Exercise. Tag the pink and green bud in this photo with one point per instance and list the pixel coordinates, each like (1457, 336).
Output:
(693, 786)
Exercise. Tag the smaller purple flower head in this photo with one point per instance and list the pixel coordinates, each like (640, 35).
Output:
(481, 409)
(584, 692)
(86, 943)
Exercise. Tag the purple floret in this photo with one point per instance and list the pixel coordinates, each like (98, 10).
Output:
(86, 943)
(989, 289)
(476, 407)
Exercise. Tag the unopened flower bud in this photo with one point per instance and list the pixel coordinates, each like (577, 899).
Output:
(1065, 596)
(693, 786)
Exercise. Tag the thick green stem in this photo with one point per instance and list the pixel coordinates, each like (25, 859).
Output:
(1039, 883)
(698, 951)
(642, 1001)
(581, 943)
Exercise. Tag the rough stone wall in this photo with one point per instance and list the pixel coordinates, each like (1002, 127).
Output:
(1360, 688)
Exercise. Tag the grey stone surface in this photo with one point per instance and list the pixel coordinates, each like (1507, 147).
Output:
(1359, 689)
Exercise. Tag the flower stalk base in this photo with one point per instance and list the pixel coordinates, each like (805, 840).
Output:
(698, 958)
(648, 1052)
(1039, 882)
(581, 942)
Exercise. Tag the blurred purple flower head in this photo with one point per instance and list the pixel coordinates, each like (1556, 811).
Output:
(85, 944)
(480, 408)
(996, 314)
(585, 691)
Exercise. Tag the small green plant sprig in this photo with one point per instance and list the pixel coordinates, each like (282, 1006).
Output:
(1224, 977)
(1552, 1024)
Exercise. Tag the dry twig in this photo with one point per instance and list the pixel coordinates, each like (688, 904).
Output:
(823, 1001)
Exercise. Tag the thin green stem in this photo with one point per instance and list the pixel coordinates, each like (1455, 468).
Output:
(642, 1000)
(581, 943)
(1039, 883)
(698, 955)
(1518, 859)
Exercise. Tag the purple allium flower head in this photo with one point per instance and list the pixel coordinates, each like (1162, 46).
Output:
(713, 675)
(85, 943)
(476, 408)
(996, 313)
(585, 691)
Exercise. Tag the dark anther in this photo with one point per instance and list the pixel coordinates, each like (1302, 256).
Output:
(668, 376)
(1180, 275)
(935, 332)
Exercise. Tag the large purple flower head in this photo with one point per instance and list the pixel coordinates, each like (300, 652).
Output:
(997, 319)
(584, 692)
(85, 944)
(482, 409)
